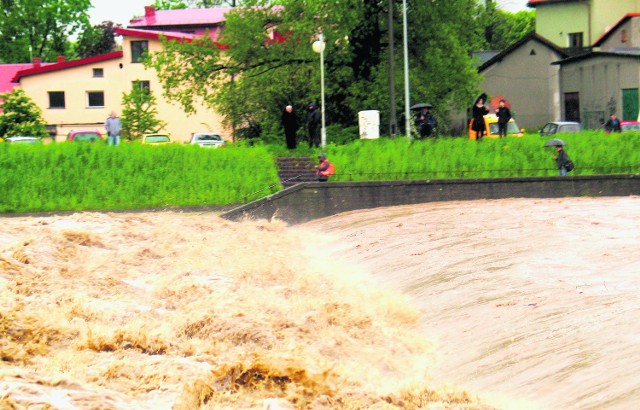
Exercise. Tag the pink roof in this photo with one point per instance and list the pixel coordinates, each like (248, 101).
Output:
(182, 17)
(155, 35)
(169, 35)
(63, 65)
(7, 71)
(533, 3)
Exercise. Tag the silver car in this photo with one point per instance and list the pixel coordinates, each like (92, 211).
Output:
(207, 139)
(556, 127)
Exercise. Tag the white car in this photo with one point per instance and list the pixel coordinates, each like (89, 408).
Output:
(207, 139)
(23, 140)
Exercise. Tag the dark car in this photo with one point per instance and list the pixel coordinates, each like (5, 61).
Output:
(84, 136)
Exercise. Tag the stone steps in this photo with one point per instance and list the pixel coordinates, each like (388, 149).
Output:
(293, 170)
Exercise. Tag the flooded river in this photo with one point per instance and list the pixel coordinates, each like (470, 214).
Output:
(533, 303)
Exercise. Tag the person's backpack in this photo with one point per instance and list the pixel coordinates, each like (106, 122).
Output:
(569, 166)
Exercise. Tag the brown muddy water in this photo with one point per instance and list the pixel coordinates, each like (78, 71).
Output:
(530, 303)
(509, 304)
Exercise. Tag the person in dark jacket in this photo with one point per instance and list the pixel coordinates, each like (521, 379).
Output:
(478, 112)
(313, 125)
(425, 123)
(290, 125)
(612, 124)
(504, 115)
(561, 160)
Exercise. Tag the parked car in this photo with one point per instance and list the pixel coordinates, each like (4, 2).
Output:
(207, 139)
(23, 140)
(630, 125)
(556, 127)
(84, 136)
(156, 139)
(491, 128)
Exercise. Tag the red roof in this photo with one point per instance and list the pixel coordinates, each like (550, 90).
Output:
(182, 17)
(169, 35)
(63, 65)
(614, 28)
(533, 3)
(155, 35)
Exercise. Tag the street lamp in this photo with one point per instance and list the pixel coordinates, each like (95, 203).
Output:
(318, 47)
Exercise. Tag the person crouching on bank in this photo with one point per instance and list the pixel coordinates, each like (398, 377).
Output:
(324, 169)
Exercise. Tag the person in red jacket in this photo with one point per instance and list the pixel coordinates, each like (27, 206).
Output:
(324, 169)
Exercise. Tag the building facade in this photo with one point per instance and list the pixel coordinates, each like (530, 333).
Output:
(523, 74)
(81, 94)
(577, 24)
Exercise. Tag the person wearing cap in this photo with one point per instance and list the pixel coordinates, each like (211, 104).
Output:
(313, 126)
(324, 169)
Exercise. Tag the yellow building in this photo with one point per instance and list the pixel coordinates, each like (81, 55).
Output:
(81, 94)
(577, 24)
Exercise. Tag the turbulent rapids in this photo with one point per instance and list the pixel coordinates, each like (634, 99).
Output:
(465, 305)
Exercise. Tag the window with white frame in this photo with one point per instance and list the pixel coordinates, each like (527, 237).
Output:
(56, 99)
(95, 99)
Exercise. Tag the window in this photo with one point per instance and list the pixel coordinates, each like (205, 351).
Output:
(143, 85)
(98, 72)
(56, 99)
(139, 50)
(575, 40)
(95, 99)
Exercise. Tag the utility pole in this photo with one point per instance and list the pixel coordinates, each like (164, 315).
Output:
(393, 123)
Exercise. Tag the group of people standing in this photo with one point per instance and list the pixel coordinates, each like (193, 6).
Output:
(480, 109)
(290, 124)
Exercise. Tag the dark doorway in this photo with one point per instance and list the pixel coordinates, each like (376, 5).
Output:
(572, 107)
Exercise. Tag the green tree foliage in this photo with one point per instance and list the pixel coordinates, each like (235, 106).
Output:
(96, 40)
(39, 28)
(501, 28)
(20, 116)
(257, 74)
(139, 113)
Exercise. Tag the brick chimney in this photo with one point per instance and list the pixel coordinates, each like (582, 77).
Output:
(149, 11)
(36, 62)
(60, 59)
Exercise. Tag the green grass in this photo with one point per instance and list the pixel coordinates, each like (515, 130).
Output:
(74, 177)
(66, 176)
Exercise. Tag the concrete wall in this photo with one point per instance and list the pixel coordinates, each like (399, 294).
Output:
(627, 35)
(313, 200)
(600, 81)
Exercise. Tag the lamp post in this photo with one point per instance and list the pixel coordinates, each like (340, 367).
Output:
(318, 47)
(407, 117)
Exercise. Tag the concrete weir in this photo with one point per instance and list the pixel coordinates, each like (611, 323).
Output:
(313, 200)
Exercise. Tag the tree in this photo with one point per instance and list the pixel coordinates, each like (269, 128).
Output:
(267, 53)
(20, 116)
(139, 113)
(96, 40)
(39, 28)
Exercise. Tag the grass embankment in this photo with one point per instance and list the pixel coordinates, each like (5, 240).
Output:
(73, 177)
(593, 153)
